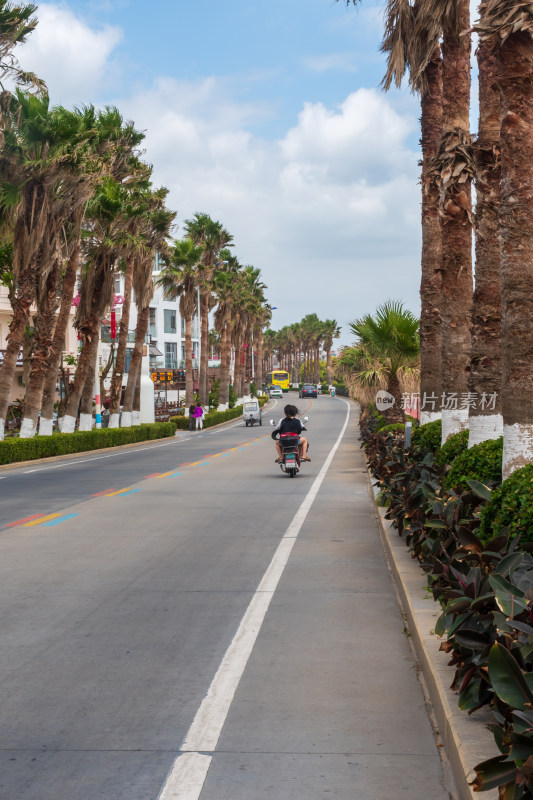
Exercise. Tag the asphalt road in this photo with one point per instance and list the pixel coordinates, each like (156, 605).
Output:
(139, 579)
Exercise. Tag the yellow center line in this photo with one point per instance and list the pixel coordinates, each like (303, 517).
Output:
(165, 474)
(41, 519)
(120, 491)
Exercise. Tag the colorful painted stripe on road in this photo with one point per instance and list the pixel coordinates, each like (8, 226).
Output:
(59, 519)
(128, 490)
(22, 521)
(40, 520)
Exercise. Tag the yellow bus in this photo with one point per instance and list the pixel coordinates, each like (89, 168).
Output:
(278, 378)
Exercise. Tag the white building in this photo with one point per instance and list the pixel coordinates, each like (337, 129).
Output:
(166, 330)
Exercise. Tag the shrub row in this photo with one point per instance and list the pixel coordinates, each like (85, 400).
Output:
(471, 542)
(213, 418)
(13, 450)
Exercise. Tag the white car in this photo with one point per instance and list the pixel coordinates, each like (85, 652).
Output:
(275, 391)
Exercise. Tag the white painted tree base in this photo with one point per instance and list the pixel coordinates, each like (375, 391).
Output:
(2, 428)
(429, 416)
(453, 422)
(482, 428)
(46, 426)
(223, 406)
(68, 424)
(86, 422)
(27, 429)
(114, 421)
(126, 419)
(517, 447)
(136, 418)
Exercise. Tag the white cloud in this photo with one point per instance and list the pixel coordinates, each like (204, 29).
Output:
(329, 212)
(72, 58)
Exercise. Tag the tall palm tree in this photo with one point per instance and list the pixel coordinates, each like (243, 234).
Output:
(486, 421)
(506, 28)
(41, 150)
(118, 141)
(388, 345)
(67, 202)
(212, 237)
(179, 279)
(154, 240)
(411, 43)
(227, 288)
(455, 166)
(16, 24)
(331, 331)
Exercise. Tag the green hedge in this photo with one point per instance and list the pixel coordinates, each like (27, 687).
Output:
(428, 436)
(482, 463)
(213, 418)
(510, 508)
(13, 450)
(456, 444)
(395, 427)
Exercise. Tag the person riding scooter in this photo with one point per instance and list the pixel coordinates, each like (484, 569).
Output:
(290, 424)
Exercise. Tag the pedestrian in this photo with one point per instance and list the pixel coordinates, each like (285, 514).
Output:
(192, 409)
(199, 417)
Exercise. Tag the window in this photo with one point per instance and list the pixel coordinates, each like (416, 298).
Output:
(117, 285)
(170, 320)
(152, 330)
(129, 353)
(171, 355)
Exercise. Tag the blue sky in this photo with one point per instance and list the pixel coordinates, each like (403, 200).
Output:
(269, 117)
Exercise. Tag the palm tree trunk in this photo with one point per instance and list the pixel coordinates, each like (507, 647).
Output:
(58, 342)
(42, 340)
(204, 354)
(259, 369)
(431, 280)
(328, 366)
(395, 413)
(85, 365)
(189, 380)
(486, 421)
(515, 67)
(21, 310)
(225, 355)
(237, 378)
(86, 403)
(120, 361)
(134, 375)
(456, 305)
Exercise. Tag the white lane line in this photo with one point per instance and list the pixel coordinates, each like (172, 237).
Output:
(189, 771)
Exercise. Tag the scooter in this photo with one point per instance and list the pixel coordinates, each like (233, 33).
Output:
(290, 452)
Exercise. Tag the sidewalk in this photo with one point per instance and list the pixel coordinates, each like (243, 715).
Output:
(330, 704)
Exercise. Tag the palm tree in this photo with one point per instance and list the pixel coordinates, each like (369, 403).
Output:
(455, 166)
(227, 288)
(118, 141)
(413, 44)
(159, 221)
(179, 279)
(506, 28)
(486, 421)
(331, 331)
(212, 237)
(387, 347)
(90, 141)
(42, 149)
(16, 23)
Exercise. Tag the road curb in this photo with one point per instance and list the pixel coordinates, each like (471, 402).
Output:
(467, 739)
